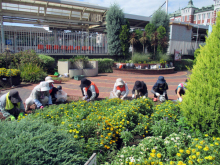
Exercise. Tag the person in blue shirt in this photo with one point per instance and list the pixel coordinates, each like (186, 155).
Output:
(180, 90)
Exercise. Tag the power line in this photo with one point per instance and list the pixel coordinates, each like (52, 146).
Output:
(158, 8)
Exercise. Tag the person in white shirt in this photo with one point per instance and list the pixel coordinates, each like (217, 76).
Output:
(120, 89)
(180, 90)
(89, 90)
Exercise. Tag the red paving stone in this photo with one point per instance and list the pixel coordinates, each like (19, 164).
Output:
(105, 83)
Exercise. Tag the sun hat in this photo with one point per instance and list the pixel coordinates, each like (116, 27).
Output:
(119, 82)
(14, 96)
(49, 79)
(85, 83)
(138, 85)
(161, 80)
(44, 86)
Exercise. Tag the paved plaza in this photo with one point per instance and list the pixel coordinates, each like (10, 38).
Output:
(105, 83)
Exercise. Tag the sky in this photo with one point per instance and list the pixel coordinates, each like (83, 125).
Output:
(143, 7)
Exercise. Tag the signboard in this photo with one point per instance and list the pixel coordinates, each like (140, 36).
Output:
(177, 55)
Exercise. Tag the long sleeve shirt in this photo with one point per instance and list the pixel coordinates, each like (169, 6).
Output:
(92, 89)
(126, 89)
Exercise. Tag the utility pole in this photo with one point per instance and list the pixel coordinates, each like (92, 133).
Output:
(167, 6)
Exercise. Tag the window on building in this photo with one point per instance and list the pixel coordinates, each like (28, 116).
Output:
(183, 18)
(194, 17)
(199, 17)
(203, 16)
(187, 18)
(208, 15)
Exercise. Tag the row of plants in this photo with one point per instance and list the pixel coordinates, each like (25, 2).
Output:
(9, 72)
(130, 132)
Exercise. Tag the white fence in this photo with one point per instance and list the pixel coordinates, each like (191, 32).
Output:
(55, 42)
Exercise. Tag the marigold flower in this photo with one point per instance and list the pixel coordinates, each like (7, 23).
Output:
(178, 154)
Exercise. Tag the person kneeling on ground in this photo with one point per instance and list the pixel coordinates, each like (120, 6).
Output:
(181, 90)
(120, 88)
(89, 90)
(11, 105)
(160, 88)
(61, 96)
(53, 90)
(39, 96)
(139, 89)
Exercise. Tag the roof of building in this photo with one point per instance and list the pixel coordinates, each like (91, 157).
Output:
(190, 5)
(204, 8)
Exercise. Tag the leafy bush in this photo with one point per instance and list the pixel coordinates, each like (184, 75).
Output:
(33, 142)
(32, 73)
(184, 64)
(9, 72)
(104, 65)
(201, 103)
(141, 58)
(47, 62)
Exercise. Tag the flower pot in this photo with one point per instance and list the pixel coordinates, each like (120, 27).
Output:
(9, 81)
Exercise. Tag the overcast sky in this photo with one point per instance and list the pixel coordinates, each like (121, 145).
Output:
(143, 7)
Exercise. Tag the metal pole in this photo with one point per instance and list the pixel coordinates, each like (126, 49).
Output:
(167, 6)
(2, 35)
(197, 35)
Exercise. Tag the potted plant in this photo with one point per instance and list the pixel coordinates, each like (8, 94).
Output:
(57, 80)
(162, 62)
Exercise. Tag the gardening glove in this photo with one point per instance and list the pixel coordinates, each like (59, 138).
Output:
(85, 97)
(21, 115)
(157, 94)
(180, 99)
(41, 107)
(133, 96)
(88, 100)
(164, 93)
(144, 97)
(122, 98)
(12, 117)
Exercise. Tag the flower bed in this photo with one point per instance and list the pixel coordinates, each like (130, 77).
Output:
(9, 77)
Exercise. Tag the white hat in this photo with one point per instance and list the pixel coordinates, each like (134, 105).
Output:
(44, 86)
(49, 79)
(119, 81)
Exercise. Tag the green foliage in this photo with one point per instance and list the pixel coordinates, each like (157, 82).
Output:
(196, 54)
(124, 38)
(201, 103)
(63, 59)
(104, 65)
(160, 18)
(138, 33)
(114, 19)
(184, 64)
(150, 29)
(47, 62)
(161, 34)
(164, 57)
(33, 142)
(142, 58)
(78, 58)
(32, 73)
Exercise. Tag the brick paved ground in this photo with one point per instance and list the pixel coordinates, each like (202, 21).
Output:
(105, 83)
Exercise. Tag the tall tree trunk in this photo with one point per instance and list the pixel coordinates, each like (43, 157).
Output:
(143, 48)
(132, 51)
(154, 51)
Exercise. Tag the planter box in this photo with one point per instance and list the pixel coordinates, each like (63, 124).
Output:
(57, 81)
(78, 65)
(63, 67)
(10, 81)
(75, 72)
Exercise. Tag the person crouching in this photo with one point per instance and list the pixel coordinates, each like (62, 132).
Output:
(120, 89)
(89, 90)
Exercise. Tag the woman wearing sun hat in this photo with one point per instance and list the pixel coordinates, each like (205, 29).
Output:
(39, 96)
(89, 90)
(11, 105)
(139, 89)
(53, 90)
(120, 89)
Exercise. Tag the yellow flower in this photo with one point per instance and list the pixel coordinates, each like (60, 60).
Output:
(199, 147)
(152, 155)
(197, 153)
(206, 135)
(75, 136)
(188, 151)
(171, 162)
(181, 151)
(206, 148)
(216, 143)
(159, 155)
(178, 154)
(193, 150)
(70, 131)
(194, 156)
(127, 122)
(102, 136)
(153, 151)
(106, 137)
(190, 162)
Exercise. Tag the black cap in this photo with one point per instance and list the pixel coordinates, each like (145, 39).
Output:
(85, 83)
(138, 85)
(14, 96)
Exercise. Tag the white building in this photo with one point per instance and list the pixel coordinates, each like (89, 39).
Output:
(191, 14)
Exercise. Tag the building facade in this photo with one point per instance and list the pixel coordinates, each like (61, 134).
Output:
(191, 14)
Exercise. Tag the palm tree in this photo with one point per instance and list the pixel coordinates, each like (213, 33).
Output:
(143, 39)
(163, 43)
(133, 40)
(154, 41)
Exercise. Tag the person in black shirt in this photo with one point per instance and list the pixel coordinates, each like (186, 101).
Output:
(139, 89)
(160, 88)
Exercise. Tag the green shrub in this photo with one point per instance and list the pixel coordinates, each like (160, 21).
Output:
(104, 65)
(32, 73)
(141, 58)
(201, 103)
(33, 142)
(184, 64)
(48, 63)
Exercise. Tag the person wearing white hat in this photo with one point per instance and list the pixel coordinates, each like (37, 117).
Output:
(39, 96)
(120, 88)
(53, 90)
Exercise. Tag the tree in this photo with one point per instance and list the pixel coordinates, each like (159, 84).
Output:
(160, 18)
(154, 41)
(149, 29)
(124, 38)
(201, 103)
(143, 39)
(114, 19)
(133, 40)
(161, 38)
